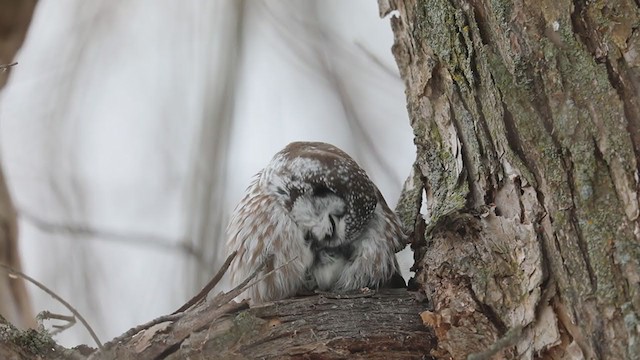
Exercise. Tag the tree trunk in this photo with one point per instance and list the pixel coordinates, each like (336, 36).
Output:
(15, 305)
(526, 118)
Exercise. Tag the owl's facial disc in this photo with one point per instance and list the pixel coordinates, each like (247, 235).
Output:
(321, 217)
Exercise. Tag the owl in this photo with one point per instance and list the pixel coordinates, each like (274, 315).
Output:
(314, 214)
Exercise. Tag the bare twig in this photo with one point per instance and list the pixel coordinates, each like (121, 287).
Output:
(216, 303)
(210, 285)
(47, 315)
(136, 329)
(220, 299)
(243, 286)
(224, 298)
(269, 273)
(75, 312)
(5, 67)
(176, 315)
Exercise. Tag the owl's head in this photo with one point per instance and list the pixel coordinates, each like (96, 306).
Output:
(327, 194)
(321, 216)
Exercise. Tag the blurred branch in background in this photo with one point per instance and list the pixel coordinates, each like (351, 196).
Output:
(205, 199)
(5, 67)
(93, 233)
(15, 305)
(353, 73)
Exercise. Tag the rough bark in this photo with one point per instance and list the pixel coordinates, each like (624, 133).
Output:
(15, 17)
(526, 121)
(313, 327)
(386, 325)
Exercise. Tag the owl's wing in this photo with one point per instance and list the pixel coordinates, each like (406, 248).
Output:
(261, 230)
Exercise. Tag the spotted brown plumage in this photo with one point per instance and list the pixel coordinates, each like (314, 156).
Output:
(314, 209)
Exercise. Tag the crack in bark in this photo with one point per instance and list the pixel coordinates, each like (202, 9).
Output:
(468, 168)
(480, 16)
(582, 242)
(579, 26)
(514, 141)
(517, 183)
(599, 156)
(626, 94)
(487, 310)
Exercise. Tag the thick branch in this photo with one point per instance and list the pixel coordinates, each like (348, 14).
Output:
(385, 325)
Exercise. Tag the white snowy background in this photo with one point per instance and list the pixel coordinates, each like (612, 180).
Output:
(130, 129)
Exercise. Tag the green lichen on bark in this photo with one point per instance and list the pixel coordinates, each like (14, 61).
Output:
(584, 113)
(35, 342)
(544, 160)
(596, 142)
(243, 325)
(436, 164)
(447, 31)
(408, 207)
(447, 193)
(539, 90)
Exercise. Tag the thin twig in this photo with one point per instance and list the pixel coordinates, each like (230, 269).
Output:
(48, 315)
(210, 285)
(176, 315)
(243, 286)
(270, 272)
(75, 312)
(224, 298)
(5, 67)
(221, 299)
(136, 329)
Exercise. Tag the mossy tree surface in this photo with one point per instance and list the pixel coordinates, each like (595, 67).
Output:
(527, 126)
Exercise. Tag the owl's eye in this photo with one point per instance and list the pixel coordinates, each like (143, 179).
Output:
(321, 191)
(340, 213)
(333, 224)
(308, 236)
